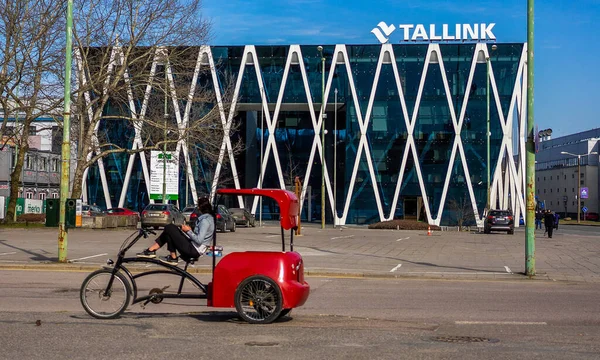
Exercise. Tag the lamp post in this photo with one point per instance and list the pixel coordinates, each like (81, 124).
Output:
(530, 150)
(66, 144)
(166, 115)
(335, 161)
(578, 180)
(320, 49)
(262, 136)
(481, 58)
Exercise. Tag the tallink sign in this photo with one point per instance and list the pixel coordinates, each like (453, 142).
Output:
(433, 32)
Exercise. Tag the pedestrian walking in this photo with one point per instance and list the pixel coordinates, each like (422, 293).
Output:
(556, 217)
(538, 219)
(549, 223)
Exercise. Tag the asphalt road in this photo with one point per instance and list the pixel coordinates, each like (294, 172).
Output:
(344, 318)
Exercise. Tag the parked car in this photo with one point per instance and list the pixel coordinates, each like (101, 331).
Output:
(160, 215)
(91, 210)
(592, 216)
(225, 220)
(243, 217)
(499, 220)
(121, 211)
(187, 213)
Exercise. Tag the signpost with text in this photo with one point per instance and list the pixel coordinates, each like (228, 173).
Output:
(164, 161)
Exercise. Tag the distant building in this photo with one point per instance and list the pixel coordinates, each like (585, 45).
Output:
(41, 168)
(556, 172)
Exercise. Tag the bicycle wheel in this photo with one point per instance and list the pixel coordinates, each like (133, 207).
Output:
(100, 302)
(258, 300)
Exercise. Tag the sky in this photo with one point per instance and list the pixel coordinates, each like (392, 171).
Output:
(567, 39)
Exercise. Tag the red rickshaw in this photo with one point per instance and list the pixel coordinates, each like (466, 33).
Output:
(262, 285)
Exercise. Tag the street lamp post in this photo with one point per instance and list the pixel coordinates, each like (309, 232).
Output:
(262, 136)
(166, 115)
(320, 48)
(578, 180)
(335, 161)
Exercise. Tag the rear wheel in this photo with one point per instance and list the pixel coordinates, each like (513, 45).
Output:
(103, 303)
(233, 227)
(258, 300)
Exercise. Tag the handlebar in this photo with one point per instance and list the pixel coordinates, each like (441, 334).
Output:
(144, 232)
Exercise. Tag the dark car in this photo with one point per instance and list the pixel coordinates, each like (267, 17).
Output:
(243, 217)
(225, 220)
(499, 220)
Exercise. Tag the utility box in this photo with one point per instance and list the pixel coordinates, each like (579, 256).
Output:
(70, 213)
(52, 212)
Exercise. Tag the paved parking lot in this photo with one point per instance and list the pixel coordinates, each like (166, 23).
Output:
(572, 254)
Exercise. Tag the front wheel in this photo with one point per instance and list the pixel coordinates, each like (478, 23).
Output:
(102, 302)
(258, 300)
(233, 227)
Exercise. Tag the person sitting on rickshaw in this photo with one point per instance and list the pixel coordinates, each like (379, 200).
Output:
(190, 243)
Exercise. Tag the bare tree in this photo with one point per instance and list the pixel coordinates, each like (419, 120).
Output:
(135, 63)
(462, 209)
(31, 43)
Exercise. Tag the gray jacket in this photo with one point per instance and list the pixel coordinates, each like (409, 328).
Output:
(202, 234)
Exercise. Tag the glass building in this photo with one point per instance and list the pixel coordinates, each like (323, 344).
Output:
(405, 135)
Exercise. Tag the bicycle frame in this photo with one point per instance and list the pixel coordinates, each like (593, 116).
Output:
(170, 270)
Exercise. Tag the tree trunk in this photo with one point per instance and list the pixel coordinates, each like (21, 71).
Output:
(15, 180)
(78, 180)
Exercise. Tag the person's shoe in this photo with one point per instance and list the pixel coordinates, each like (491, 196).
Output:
(147, 254)
(169, 260)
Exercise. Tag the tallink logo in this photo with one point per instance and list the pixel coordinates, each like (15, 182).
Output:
(387, 30)
(433, 32)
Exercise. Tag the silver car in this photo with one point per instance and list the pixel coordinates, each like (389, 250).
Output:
(160, 215)
(187, 211)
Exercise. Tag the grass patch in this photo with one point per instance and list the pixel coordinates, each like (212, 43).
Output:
(23, 225)
(402, 225)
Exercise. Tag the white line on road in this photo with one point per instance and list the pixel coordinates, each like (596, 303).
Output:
(10, 253)
(87, 257)
(342, 237)
(406, 238)
(270, 236)
(508, 270)
(500, 323)
(396, 268)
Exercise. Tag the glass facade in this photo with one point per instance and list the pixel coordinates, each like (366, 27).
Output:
(399, 120)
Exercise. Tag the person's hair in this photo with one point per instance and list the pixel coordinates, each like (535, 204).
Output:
(204, 206)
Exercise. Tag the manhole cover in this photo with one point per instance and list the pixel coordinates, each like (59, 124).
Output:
(261, 343)
(463, 339)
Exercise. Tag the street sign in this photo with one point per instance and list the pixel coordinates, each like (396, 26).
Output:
(584, 209)
(159, 164)
(584, 193)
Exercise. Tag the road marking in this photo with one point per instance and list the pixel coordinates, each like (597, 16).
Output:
(270, 236)
(457, 273)
(87, 257)
(508, 270)
(406, 238)
(10, 253)
(342, 237)
(500, 323)
(396, 268)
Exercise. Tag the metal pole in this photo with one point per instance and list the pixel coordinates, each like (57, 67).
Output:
(578, 188)
(187, 180)
(164, 185)
(323, 141)
(262, 136)
(66, 145)
(530, 148)
(487, 134)
(335, 214)
(17, 150)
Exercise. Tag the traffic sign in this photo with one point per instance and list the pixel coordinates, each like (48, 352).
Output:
(584, 209)
(584, 193)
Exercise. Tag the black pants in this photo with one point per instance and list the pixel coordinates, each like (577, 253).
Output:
(177, 241)
(549, 229)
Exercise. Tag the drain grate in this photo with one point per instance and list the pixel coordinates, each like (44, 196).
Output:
(463, 339)
(261, 343)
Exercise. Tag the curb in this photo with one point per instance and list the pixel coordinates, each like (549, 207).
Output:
(307, 273)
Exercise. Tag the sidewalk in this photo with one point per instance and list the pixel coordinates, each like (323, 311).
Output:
(355, 251)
